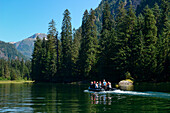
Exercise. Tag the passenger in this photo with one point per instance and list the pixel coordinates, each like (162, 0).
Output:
(109, 86)
(100, 84)
(96, 85)
(104, 84)
(91, 84)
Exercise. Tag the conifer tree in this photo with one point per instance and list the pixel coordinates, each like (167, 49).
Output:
(138, 47)
(76, 49)
(106, 43)
(58, 51)
(130, 44)
(122, 39)
(52, 29)
(150, 37)
(66, 41)
(91, 45)
(163, 41)
(36, 70)
(51, 50)
(43, 59)
(82, 58)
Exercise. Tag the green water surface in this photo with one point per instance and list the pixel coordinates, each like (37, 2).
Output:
(67, 98)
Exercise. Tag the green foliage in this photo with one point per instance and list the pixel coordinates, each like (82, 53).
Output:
(66, 43)
(14, 69)
(129, 46)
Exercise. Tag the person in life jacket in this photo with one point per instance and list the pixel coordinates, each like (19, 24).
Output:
(100, 84)
(96, 85)
(104, 84)
(109, 86)
(91, 84)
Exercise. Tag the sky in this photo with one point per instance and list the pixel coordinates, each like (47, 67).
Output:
(20, 19)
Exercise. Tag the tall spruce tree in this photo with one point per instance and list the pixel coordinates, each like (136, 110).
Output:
(150, 37)
(83, 41)
(137, 50)
(43, 59)
(156, 12)
(36, 70)
(91, 45)
(76, 49)
(107, 44)
(66, 42)
(122, 39)
(51, 50)
(58, 51)
(163, 41)
(130, 44)
(52, 29)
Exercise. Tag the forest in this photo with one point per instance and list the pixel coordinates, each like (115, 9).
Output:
(137, 44)
(127, 43)
(15, 69)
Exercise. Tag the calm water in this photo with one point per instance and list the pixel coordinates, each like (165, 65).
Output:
(66, 98)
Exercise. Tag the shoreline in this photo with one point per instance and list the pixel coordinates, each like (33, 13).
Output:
(15, 81)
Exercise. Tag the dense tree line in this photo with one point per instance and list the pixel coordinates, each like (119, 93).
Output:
(127, 43)
(15, 69)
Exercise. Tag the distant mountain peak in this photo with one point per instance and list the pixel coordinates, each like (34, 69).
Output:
(40, 35)
(26, 46)
(12, 42)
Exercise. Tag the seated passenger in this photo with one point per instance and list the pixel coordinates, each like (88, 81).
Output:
(109, 86)
(104, 84)
(91, 84)
(100, 84)
(96, 85)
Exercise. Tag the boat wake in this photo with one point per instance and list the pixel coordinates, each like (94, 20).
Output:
(148, 93)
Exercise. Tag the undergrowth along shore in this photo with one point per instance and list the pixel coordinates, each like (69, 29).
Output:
(16, 81)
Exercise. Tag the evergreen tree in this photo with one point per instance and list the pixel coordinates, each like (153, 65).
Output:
(6, 71)
(43, 59)
(58, 51)
(51, 50)
(52, 29)
(82, 58)
(138, 49)
(107, 44)
(36, 70)
(91, 45)
(66, 41)
(122, 39)
(157, 13)
(130, 43)
(150, 37)
(163, 41)
(75, 52)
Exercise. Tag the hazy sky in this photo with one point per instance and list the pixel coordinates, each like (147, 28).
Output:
(20, 19)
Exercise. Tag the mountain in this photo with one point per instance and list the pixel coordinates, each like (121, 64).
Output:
(139, 5)
(8, 51)
(114, 4)
(26, 46)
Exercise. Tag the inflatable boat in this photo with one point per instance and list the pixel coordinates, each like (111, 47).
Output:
(101, 89)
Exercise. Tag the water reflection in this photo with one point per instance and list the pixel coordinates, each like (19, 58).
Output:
(68, 98)
(12, 97)
(100, 99)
